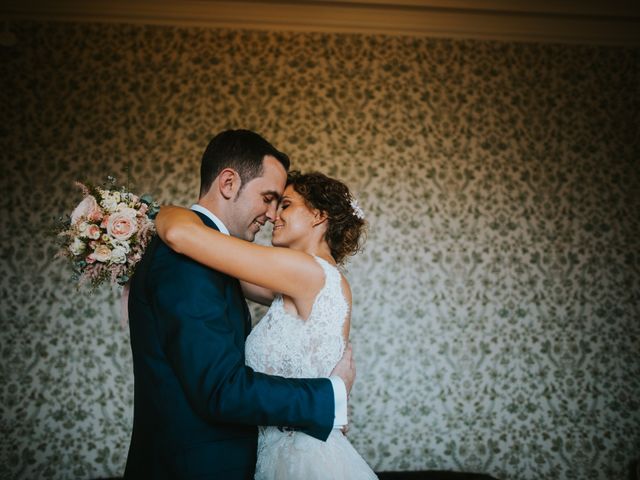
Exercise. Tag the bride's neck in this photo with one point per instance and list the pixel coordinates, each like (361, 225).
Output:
(321, 250)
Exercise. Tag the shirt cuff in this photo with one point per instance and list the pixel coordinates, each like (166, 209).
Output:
(340, 397)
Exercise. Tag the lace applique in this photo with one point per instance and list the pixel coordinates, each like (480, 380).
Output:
(286, 345)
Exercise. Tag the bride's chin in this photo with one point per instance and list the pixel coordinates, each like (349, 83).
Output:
(279, 242)
(276, 242)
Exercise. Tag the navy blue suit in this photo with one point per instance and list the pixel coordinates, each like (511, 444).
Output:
(196, 403)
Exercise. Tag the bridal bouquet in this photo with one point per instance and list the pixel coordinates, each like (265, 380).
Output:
(107, 233)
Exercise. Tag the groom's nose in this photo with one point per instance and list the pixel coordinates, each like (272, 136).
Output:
(271, 213)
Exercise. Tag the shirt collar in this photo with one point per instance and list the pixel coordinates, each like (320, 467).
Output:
(221, 226)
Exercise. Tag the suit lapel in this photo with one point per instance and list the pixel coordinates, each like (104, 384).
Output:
(207, 221)
(245, 308)
(247, 316)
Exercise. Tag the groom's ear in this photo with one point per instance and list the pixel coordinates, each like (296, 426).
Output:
(228, 183)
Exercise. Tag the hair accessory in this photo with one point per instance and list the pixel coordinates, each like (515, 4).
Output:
(357, 210)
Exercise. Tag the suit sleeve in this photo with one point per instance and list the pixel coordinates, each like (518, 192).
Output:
(190, 303)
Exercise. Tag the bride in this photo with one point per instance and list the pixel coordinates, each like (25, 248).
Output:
(306, 329)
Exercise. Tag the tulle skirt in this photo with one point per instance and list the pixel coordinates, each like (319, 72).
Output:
(292, 455)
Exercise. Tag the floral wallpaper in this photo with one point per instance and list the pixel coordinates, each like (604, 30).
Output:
(497, 304)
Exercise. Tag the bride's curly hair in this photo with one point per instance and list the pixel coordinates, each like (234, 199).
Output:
(346, 228)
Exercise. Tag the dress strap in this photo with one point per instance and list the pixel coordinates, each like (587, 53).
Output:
(333, 277)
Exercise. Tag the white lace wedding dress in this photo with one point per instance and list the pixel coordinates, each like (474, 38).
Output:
(286, 345)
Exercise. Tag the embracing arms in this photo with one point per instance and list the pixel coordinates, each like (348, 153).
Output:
(200, 327)
(281, 270)
(256, 293)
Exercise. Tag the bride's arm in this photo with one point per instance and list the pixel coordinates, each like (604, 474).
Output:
(258, 294)
(283, 270)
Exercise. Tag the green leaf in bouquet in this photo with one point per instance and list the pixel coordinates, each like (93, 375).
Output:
(146, 198)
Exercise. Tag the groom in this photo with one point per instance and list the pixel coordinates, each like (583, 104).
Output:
(196, 403)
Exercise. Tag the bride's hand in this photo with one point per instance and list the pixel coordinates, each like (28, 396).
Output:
(346, 369)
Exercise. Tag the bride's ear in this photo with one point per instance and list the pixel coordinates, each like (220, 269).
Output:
(229, 183)
(319, 217)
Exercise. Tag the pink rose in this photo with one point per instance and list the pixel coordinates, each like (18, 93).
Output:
(122, 224)
(93, 232)
(95, 215)
(88, 206)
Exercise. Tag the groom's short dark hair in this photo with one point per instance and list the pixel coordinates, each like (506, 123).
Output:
(242, 150)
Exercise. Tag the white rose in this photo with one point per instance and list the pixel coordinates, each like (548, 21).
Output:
(110, 200)
(124, 245)
(102, 253)
(118, 255)
(77, 246)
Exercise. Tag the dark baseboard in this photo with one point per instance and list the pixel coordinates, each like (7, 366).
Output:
(419, 475)
(433, 475)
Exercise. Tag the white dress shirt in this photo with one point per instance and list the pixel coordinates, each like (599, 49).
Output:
(339, 389)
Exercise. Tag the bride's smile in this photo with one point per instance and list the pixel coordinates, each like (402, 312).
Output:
(293, 219)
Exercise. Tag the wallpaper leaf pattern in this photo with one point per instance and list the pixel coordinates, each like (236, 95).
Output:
(497, 304)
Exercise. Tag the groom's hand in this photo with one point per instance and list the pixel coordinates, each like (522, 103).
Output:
(346, 368)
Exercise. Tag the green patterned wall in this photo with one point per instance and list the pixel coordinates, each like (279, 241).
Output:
(497, 305)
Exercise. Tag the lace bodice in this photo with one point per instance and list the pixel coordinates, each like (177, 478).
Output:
(286, 345)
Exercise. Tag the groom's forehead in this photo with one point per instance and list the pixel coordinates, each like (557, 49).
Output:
(273, 178)
(267, 186)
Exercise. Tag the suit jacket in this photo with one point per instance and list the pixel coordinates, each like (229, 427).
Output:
(196, 404)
